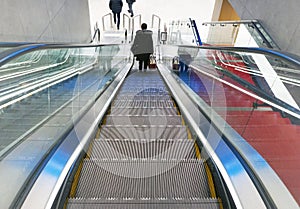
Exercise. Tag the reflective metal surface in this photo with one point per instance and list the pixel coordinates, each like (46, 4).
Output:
(254, 94)
(43, 93)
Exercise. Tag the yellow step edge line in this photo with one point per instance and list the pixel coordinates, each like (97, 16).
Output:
(220, 202)
(77, 174)
(98, 133)
(198, 154)
(178, 112)
(208, 173)
(66, 203)
(76, 180)
(182, 121)
(189, 135)
(104, 120)
(210, 181)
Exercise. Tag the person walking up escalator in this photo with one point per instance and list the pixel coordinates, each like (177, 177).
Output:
(142, 46)
(116, 8)
(130, 2)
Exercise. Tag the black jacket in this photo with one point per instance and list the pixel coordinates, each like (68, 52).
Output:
(116, 5)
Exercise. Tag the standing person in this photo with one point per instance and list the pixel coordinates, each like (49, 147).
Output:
(130, 2)
(116, 8)
(142, 46)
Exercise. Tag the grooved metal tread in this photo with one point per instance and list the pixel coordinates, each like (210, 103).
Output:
(143, 132)
(142, 91)
(142, 157)
(144, 87)
(135, 96)
(142, 103)
(195, 203)
(143, 120)
(143, 178)
(155, 149)
(144, 111)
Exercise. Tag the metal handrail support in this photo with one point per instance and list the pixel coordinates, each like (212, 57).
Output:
(270, 43)
(133, 21)
(96, 33)
(196, 32)
(159, 21)
(103, 17)
(260, 30)
(124, 22)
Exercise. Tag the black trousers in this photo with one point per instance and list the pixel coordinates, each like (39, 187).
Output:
(117, 17)
(143, 60)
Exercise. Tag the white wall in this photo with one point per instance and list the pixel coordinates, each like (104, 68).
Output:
(44, 21)
(200, 10)
(280, 18)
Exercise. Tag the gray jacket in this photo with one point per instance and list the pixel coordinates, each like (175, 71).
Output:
(143, 43)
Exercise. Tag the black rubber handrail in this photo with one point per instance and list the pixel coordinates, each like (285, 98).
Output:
(290, 58)
(15, 52)
(10, 54)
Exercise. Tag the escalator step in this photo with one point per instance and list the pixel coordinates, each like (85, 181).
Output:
(142, 91)
(143, 120)
(142, 104)
(205, 203)
(143, 132)
(144, 85)
(143, 178)
(134, 96)
(155, 149)
(143, 111)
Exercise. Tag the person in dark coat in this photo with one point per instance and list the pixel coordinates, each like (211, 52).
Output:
(142, 46)
(130, 2)
(116, 8)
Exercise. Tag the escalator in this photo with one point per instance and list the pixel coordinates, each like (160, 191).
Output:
(143, 155)
(135, 139)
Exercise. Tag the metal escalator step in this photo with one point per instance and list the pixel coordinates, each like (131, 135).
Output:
(143, 178)
(137, 84)
(142, 148)
(143, 111)
(142, 97)
(203, 203)
(142, 104)
(144, 88)
(143, 120)
(143, 94)
(143, 132)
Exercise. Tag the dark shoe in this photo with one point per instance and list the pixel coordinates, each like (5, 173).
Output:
(131, 15)
(128, 11)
